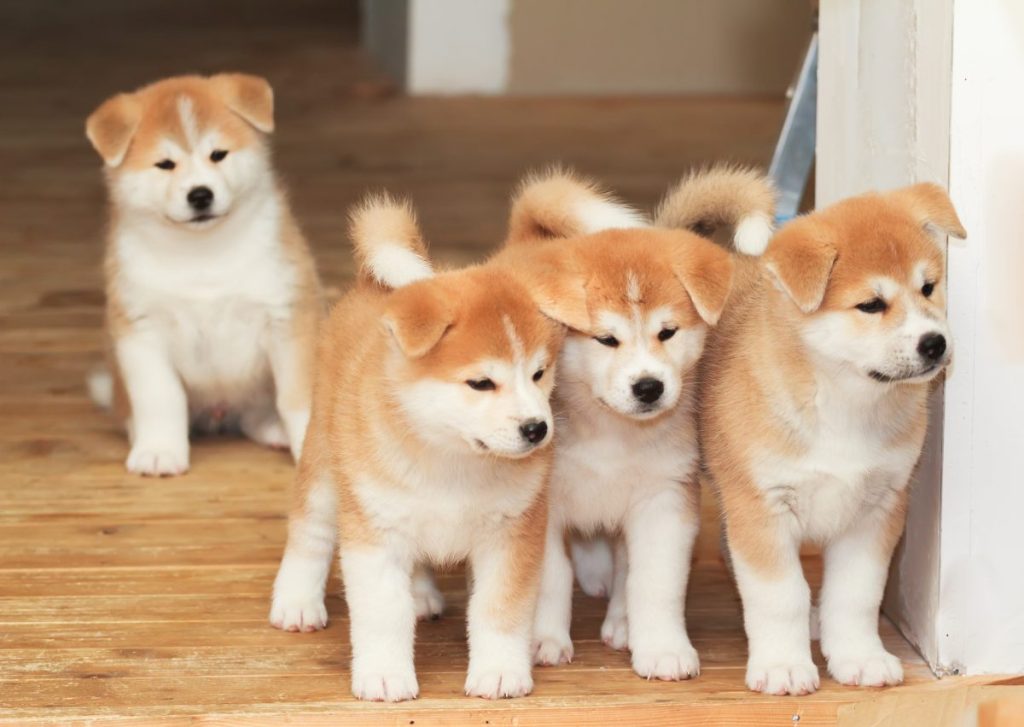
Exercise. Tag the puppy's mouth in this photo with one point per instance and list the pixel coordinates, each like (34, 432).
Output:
(203, 218)
(907, 377)
(479, 447)
(642, 412)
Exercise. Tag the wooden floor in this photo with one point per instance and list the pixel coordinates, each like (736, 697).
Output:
(123, 598)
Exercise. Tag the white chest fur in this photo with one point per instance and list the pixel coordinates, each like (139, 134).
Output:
(605, 462)
(211, 298)
(850, 464)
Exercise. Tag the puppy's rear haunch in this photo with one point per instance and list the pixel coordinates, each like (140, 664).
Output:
(427, 444)
(730, 203)
(558, 204)
(387, 243)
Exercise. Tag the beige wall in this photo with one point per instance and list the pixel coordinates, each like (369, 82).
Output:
(656, 46)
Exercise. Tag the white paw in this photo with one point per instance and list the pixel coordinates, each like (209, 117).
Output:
(265, 429)
(668, 665)
(615, 632)
(385, 686)
(498, 683)
(428, 599)
(298, 615)
(552, 650)
(797, 678)
(874, 669)
(158, 460)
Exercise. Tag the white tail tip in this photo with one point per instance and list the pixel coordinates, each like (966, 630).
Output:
(753, 234)
(100, 384)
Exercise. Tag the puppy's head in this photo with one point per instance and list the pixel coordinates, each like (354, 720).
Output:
(639, 303)
(868, 276)
(188, 150)
(474, 360)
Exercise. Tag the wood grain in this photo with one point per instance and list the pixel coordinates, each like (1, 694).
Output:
(130, 600)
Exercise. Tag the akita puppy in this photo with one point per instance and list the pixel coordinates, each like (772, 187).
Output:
(813, 398)
(427, 444)
(626, 453)
(212, 295)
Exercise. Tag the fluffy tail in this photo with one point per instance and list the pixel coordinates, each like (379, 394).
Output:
(389, 248)
(556, 203)
(740, 199)
(100, 384)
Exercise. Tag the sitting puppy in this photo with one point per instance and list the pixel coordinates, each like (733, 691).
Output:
(212, 295)
(626, 454)
(427, 444)
(813, 398)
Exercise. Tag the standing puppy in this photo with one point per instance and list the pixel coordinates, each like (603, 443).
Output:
(212, 296)
(813, 392)
(626, 455)
(427, 445)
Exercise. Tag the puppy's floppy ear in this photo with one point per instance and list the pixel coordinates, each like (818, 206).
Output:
(706, 271)
(417, 316)
(801, 257)
(251, 97)
(556, 286)
(111, 127)
(931, 207)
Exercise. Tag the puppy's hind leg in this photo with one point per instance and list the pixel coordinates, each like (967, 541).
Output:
(298, 603)
(428, 598)
(592, 562)
(615, 629)
(261, 424)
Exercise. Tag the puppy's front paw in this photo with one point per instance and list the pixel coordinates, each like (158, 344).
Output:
(615, 631)
(157, 460)
(385, 686)
(552, 650)
(298, 614)
(796, 678)
(667, 664)
(498, 683)
(874, 669)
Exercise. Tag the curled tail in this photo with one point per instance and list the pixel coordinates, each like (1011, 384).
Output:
(706, 201)
(557, 203)
(389, 248)
(100, 384)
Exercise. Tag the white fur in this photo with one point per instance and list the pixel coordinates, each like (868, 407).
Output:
(753, 234)
(595, 214)
(395, 265)
(209, 304)
(615, 475)
(838, 493)
(593, 564)
(100, 384)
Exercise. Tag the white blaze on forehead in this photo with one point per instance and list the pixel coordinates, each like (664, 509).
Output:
(189, 124)
(518, 352)
(632, 287)
(920, 274)
(885, 287)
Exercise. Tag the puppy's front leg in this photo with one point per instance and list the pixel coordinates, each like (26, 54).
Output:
(765, 552)
(506, 574)
(291, 359)
(378, 590)
(856, 567)
(660, 532)
(552, 644)
(159, 406)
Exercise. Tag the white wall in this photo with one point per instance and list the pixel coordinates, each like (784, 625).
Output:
(981, 621)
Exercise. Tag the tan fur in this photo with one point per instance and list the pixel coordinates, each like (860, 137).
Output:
(713, 200)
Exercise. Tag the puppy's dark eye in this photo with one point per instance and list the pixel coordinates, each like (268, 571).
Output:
(610, 341)
(481, 385)
(538, 375)
(166, 164)
(875, 305)
(217, 155)
(927, 289)
(666, 333)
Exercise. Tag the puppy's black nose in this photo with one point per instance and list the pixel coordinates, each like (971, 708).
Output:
(648, 390)
(931, 346)
(200, 198)
(533, 430)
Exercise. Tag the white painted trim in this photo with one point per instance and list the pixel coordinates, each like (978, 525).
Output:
(458, 46)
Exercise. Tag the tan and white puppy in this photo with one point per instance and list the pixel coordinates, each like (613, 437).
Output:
(427, 445)
(814, 391)
(626, 452)
(212, 295)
